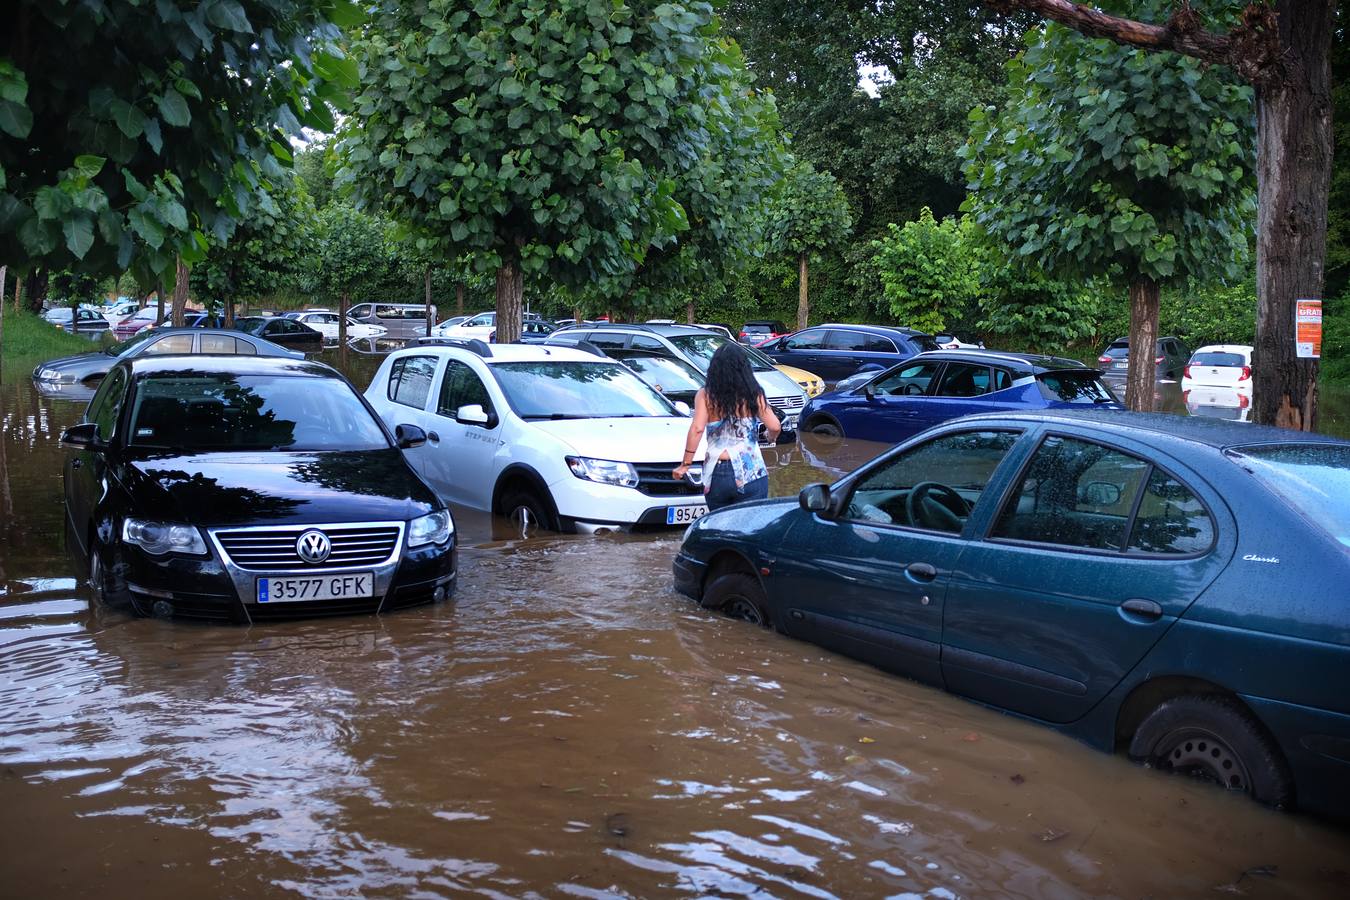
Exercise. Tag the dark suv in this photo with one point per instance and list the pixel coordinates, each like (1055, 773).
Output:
(835, 352)
(1170, 356)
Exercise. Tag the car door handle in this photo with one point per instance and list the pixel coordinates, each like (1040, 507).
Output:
(433, 437)
(1144, 609)
(921, 571)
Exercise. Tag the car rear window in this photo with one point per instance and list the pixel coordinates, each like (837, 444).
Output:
(1118, 350)
(1218, 359)
(1313, 478)
(1074, 387)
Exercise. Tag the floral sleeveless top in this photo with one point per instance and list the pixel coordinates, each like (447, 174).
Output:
(739, 439)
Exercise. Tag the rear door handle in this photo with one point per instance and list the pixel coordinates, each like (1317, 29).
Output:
(433, 437)
(1144, 609)
(921, 571)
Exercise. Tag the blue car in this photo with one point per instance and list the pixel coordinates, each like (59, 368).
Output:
(1168, 586)
(933, 387)
(835, 352)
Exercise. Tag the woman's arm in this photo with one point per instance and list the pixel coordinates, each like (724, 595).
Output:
(772, 426)
(691, 440)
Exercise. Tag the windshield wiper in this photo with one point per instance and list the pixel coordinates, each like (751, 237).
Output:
(557, 416)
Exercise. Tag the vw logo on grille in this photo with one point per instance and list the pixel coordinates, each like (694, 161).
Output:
(313, 546)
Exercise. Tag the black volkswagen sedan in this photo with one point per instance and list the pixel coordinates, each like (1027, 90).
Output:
(249, 488)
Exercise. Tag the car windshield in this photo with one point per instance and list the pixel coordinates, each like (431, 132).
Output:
(250, 413)
(701, 347)
(547, 389)
(1314, 478)
(1074, 387)
(1216, 358)
(131, 343)
(664, 373)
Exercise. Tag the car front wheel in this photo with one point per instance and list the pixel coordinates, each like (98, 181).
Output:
(825, 428)
(738, 595)
(526, 511)
(1214, 738)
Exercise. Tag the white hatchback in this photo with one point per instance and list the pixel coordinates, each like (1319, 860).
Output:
(550, 437)
(326, 323)
(1219, 365)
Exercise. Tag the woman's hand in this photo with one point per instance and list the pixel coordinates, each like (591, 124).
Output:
(772, 427)
(679, 472)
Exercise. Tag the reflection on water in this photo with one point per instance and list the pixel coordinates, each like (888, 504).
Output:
(567, 727)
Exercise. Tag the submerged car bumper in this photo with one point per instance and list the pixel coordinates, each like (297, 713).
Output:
(210, 589)
(689, 575)
(1316, 742)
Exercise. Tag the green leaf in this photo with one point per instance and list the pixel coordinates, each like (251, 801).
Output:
(342, 71)
(153, 136)
(15, 119)
(79, 231)
(174, 109)
(129, 119)
(346, 14)
(228, 14)
(89, 165)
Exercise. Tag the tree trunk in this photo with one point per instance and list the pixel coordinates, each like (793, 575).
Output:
(159, 295)
(18, 293)
(3, 270)
(576, 315)
(1293, 175)
(459, 298)
(689, 311)
(510, 291)
(37, 290)
(431, 316)
(229, 311)
(344, 300)
(180, 292)
(803, 298)
(1141, 377)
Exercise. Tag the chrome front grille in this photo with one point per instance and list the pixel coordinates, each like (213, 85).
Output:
(788, 404)
(272, 549)
(654, 480)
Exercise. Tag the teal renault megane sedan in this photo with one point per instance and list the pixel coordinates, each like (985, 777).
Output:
(1171, 587)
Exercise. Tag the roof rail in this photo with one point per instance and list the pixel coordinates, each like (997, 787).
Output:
(473, 345)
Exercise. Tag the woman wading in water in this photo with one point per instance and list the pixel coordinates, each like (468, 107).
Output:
(730, 407)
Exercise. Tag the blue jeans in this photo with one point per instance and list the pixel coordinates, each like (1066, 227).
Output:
(722, 490)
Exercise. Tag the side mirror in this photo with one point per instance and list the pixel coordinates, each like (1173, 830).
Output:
(815, 497)
(869, 391)
(409, 436)
(1101, 493)
(83, 437)
(473, 414)
(683, 408)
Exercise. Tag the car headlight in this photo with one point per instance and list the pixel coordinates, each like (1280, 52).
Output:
(604, 471)
(433, 528)
(159, 538)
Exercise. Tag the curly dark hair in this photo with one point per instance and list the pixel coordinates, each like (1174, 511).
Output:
(732, 389)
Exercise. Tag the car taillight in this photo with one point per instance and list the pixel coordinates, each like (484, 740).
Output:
(1186, 372)
(1246, 373)
(1244, 401)
(1159, 359)
(1103, 359)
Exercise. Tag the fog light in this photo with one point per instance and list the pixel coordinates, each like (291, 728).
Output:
(438, 595)
(162, 608)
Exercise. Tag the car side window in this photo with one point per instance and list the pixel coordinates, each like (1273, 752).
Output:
(1171, 519)
(219, 343)
(964, 380)
(169, 344)
(244, 348)
(1074, 494)
(1002, 379)
(461, 387)
(642, 342)
(853, 341)
(933, 486)
(608, 340)
(908, 381)
(814, 339)
(483, 319)
(410, 380)
(106, 407)
(359, 312)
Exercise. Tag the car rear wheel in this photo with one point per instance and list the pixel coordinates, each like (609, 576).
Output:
(1214, 738)
(527, 512)
(738, 595)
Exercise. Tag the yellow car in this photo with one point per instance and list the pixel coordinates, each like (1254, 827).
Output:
(814, 385)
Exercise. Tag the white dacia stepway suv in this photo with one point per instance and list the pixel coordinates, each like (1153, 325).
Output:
(551, 437)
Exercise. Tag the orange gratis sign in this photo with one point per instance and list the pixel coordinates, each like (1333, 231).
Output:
(1308, 329)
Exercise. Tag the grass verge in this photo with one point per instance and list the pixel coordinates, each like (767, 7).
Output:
(28, 340)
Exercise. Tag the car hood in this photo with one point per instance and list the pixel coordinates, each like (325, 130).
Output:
(777, 385)
(79, 366)
(646, 439)
(277, 488)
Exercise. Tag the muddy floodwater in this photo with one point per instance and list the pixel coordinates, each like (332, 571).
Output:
(567, 726)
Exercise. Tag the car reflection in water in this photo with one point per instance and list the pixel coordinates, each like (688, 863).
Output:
(1219, 403)
(377, 345)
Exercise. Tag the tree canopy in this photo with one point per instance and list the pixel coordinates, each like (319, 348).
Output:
(134, 132)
